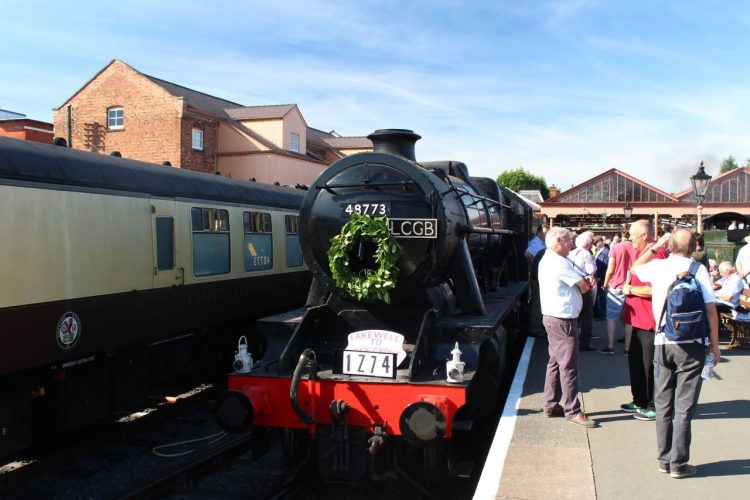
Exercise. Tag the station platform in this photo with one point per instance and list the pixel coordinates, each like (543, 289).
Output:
(534, 457)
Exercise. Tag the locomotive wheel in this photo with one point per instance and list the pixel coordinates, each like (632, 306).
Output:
(296, 447)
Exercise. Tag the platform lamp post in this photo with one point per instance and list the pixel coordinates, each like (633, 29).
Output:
(627, 210)
(700, 184)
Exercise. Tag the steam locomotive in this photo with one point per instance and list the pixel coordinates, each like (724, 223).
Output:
(116, 273)
(368, 388)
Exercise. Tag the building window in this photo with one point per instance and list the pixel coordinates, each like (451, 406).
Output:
(198, 139)
(258, 241)
(114, 118)
(294, 142)
(210, 241)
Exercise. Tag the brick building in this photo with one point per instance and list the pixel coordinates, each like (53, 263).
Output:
(16, 125)
(146, 118)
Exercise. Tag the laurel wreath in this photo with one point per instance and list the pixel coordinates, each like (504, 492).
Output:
(375, 285)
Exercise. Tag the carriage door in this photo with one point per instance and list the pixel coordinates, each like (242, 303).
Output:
(167, 269)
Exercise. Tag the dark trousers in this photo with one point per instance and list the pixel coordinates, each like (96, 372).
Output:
(641, 367)
(586, 318)
(600, 305)
(536, 328)
(562, 368)
(677, 375)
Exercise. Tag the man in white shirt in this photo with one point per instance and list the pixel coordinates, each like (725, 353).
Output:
(677, 364)
(743, 259)
(560, 294)
(731, 288)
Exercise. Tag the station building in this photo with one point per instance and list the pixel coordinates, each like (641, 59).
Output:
(150, 119)
(609, 201)
(18, 126)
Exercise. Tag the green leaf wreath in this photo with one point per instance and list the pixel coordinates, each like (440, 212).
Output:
(373, 286)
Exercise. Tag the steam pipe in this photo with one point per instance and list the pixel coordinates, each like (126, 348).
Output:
(306, 360)
(467, 229)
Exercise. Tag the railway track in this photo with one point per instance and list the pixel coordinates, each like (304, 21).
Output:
(231, 448)
(175, 450)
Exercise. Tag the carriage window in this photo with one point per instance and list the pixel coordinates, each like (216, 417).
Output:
(293, 249)
(164, 243)
(210, 241)
(258, 241)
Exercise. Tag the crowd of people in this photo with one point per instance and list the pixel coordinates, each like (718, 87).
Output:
(576, 279)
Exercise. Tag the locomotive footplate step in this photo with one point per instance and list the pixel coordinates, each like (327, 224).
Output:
(292, 318)
(498, 305)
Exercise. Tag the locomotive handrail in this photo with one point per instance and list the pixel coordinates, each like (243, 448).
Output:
(474, 195)
(465, 229)
(365, 184)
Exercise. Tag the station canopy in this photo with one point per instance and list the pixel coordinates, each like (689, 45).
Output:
(600, 202)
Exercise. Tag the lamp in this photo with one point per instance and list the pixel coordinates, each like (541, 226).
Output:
(627, 210)
(700, 184)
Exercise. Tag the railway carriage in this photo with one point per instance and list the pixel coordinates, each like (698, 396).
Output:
(365, 383)
(115, 272)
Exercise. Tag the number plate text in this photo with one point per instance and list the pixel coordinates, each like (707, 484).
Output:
(368, 364)
(372, 208)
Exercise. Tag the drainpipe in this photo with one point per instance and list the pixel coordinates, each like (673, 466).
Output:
(70, 121)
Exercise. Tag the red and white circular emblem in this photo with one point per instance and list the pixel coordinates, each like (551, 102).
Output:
(68, 330)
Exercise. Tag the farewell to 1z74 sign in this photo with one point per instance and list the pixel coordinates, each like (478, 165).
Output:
(372, 353)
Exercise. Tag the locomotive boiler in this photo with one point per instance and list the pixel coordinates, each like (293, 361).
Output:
(365, 386)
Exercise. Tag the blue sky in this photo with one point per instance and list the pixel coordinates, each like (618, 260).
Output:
(566, 89)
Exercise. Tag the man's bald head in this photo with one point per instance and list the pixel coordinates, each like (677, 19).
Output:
(639, 227)
(639, 234)
(683, 242)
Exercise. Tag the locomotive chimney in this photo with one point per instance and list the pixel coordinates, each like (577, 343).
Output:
(395, 141)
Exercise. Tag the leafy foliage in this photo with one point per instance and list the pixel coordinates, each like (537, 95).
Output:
(729, 163)
(521, 179)
(373, 286)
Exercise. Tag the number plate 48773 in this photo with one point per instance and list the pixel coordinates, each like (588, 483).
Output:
(367, 364)
(373, 208)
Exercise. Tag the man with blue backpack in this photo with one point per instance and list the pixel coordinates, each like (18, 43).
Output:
(687, 326)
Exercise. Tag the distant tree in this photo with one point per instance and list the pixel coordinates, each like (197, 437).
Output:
(729, 163)
(747, 163)
(521, 179)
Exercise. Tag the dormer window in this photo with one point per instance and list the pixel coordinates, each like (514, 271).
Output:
(294, 142)
(115, 118)
(197, 139)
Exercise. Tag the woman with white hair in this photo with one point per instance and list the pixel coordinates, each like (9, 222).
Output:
(584, 263)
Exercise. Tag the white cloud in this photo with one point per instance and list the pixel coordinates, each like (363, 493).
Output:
(553, 87)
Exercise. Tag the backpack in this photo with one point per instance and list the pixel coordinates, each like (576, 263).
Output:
(684, 308)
